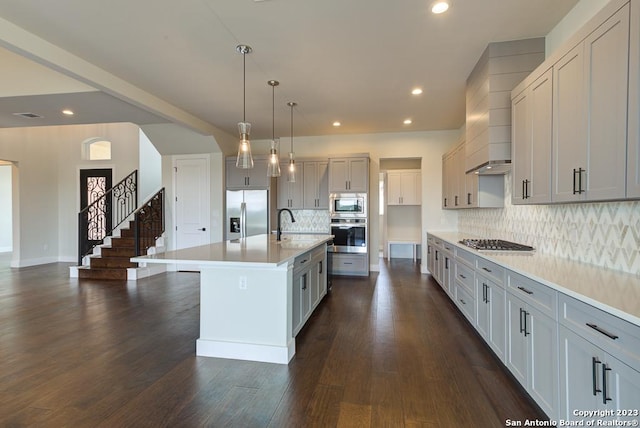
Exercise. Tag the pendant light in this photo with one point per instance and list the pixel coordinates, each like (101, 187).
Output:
(244, 159)
(291, 170)
(273, 167)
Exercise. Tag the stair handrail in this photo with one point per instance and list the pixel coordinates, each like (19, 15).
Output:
(125, 202)
(149, 222)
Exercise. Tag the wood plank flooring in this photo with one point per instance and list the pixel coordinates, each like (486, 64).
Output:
(385, 351)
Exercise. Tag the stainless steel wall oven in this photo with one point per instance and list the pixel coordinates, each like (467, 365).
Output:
(350, 235)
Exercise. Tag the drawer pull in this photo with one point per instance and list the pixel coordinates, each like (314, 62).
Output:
(594, 372)
(462, 276)
(486, 269)
(347, 263)
(600, 330)
(463, 302)
(525, 290)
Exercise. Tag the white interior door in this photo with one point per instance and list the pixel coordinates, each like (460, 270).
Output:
(192, 201)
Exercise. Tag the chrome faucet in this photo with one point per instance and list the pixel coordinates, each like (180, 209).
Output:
(293, 220)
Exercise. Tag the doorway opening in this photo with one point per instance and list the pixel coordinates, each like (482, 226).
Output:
(400, 208)
(8, 206)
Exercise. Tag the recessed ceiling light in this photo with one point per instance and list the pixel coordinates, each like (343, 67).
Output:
(416, 91)
(440, 7)
(407, 121)
(67, 112)
(336, 123)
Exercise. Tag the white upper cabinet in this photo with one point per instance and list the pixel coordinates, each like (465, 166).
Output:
(532, 137)
(316, 185)
(348, 175)
(633, 133)
(404, 187)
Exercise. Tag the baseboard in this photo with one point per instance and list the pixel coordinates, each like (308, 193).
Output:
(34, 262)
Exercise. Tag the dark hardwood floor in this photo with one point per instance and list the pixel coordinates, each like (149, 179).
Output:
(389, 350)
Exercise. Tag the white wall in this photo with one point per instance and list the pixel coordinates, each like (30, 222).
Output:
(150, 169)
(47, 192)
(582, 12)
(6, 233)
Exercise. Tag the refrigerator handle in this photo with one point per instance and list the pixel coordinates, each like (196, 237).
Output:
(243, 220)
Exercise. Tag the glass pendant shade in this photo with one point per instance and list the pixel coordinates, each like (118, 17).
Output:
(273, 167)
(291, 169)
(244, 160)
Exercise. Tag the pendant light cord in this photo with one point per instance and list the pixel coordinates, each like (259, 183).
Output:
(273, 112)
(291, 128)
(244, 87)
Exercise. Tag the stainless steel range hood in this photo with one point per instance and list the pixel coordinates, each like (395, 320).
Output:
(493, 167)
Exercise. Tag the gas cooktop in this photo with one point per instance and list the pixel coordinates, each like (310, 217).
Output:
(495, 245)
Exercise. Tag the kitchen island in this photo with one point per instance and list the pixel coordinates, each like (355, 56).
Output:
(255, 293)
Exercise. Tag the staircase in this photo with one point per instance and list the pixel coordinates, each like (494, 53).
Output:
(110, 258)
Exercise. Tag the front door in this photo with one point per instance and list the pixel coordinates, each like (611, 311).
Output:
(95, 219)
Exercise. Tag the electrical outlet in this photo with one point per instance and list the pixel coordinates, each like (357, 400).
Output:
(243, 283)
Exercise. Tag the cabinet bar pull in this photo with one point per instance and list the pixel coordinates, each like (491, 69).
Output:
(446, 262)
(436, 255)
(525, 290)
(320, 266)
(524, 194)
(486, 269)
(468, 198)
(445, 202)
(526, 333)
(594, 372)
(456, 201)
(600, 330)
(574, 181)
(605, 369)
(521, 328)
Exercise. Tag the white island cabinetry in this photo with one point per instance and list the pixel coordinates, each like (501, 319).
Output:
(255, 293)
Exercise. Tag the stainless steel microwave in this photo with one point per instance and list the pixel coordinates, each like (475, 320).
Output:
(348, 205)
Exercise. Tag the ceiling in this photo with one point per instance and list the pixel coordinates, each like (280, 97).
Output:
(351, 61)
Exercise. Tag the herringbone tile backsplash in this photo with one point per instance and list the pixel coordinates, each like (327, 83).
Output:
(603, 234)
(307, 221)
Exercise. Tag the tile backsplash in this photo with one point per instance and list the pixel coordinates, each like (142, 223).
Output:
(307, 221)
(604, 234)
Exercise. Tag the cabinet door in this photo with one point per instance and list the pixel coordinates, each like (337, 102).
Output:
(358, 175)
(543, 360)
(497, 319)
(517, 349)
(412, 188)
(521, 143)
(310, 180)
(257, 176)
(394, 188)
(338, 175)
(482, 311)
(538, 188)
(580, 368)
(323, 184)
(606, 62)
(447, 178)
(569, 118)
(623, 388)
(236, 177)
(471, 190)
(290, 194)
(633, 151)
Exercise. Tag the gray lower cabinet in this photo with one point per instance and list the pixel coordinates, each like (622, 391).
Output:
(491, 317)
(309, 285)
(532, 348)
(599, 357)
(350, 264)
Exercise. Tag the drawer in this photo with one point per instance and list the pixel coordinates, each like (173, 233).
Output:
(491, 270)
(616, 336)
(349, 264)
(466, 257)
(466, 303)
(533, 293)
(448, 246)
(465, 277)
(319, 253)
(301, 261)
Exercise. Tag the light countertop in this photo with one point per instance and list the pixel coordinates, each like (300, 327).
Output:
(254, 251)
(612, 291)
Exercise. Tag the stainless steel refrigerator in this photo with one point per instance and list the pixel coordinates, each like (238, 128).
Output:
(247, 213)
